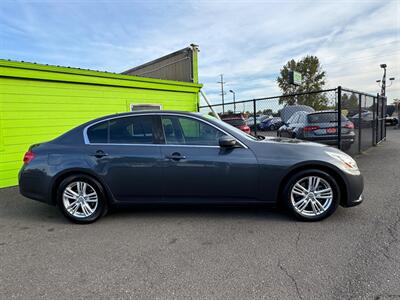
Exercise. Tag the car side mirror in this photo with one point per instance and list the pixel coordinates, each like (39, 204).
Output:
(227, 141)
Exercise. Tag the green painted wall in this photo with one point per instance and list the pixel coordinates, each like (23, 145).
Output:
(40, 102)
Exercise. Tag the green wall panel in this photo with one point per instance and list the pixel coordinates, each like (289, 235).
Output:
(38, 103)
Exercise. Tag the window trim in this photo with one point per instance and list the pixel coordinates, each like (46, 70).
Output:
(108, 121)
(87, 142)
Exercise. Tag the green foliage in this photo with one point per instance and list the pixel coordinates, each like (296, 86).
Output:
(349, 102)
(313, 79)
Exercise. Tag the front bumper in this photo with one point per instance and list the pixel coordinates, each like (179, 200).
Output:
(354, 190)
(356, 202)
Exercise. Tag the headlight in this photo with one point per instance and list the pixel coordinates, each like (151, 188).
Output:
(347, 163)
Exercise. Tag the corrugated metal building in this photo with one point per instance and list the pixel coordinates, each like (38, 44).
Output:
(40, 102)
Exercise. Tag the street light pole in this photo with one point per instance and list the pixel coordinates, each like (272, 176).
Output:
(234, 100)
(383, 86)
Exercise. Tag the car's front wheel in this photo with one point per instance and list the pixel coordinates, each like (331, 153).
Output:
(81, 199)
(312, 195)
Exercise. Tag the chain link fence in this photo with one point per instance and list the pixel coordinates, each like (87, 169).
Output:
(312, 116)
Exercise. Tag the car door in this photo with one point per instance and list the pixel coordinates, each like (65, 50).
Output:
(196, 169)
(125, 154)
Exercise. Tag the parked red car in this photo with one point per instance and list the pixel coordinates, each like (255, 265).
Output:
(236, 120)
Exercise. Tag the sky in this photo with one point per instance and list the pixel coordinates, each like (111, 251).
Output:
(247, 41)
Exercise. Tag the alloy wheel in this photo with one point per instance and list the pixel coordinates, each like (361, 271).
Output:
(311, 196)
(80, 199)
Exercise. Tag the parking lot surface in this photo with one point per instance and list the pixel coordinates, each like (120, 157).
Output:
(209, 252)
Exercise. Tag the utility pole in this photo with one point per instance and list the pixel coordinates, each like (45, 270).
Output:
(222, 92)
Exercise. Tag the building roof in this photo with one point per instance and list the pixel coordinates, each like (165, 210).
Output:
(10, 68)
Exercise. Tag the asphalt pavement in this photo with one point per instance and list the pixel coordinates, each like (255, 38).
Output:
(208, 252)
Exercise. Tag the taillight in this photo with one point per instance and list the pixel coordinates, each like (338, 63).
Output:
(28, 157)
(245, 128)
(311, 128)
(349, 125)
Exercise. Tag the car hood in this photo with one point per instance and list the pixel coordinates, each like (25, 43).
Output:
(290, 141)
(276, 150)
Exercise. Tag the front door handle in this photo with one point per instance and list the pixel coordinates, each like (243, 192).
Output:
(99, 154)
(175, 156)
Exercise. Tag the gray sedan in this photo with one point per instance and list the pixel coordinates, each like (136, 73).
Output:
(180, 158)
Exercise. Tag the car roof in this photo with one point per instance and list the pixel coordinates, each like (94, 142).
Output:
(147, 112)
(138, 113)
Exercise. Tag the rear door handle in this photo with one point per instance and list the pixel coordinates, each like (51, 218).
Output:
(99, 154)
(175, 156)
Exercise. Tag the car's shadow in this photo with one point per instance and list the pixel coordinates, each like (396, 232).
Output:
(16, 208)
(199, 211)
(35, 212)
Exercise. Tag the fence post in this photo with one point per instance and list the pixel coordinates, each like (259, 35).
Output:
(384, 105)
(374, 105)
(254, 116)
(359, 122)
(339, 108)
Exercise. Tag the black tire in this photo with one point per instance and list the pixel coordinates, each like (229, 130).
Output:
(99, 210)
(271, 127)
(327, 178)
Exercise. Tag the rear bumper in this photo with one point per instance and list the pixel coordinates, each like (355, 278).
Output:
(331, 140)
(34, 184)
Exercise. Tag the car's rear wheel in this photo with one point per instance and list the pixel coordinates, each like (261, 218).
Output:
(312, 195)
(81, 199)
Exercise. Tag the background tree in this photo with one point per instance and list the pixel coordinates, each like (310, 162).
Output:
(350, 103)
(313, 79)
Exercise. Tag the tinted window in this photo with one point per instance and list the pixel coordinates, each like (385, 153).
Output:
(188, 131)
(328, 117)
(98, 133)
(132, 130)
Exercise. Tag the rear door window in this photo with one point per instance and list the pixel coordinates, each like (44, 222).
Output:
(131, 130)
(98, 133)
